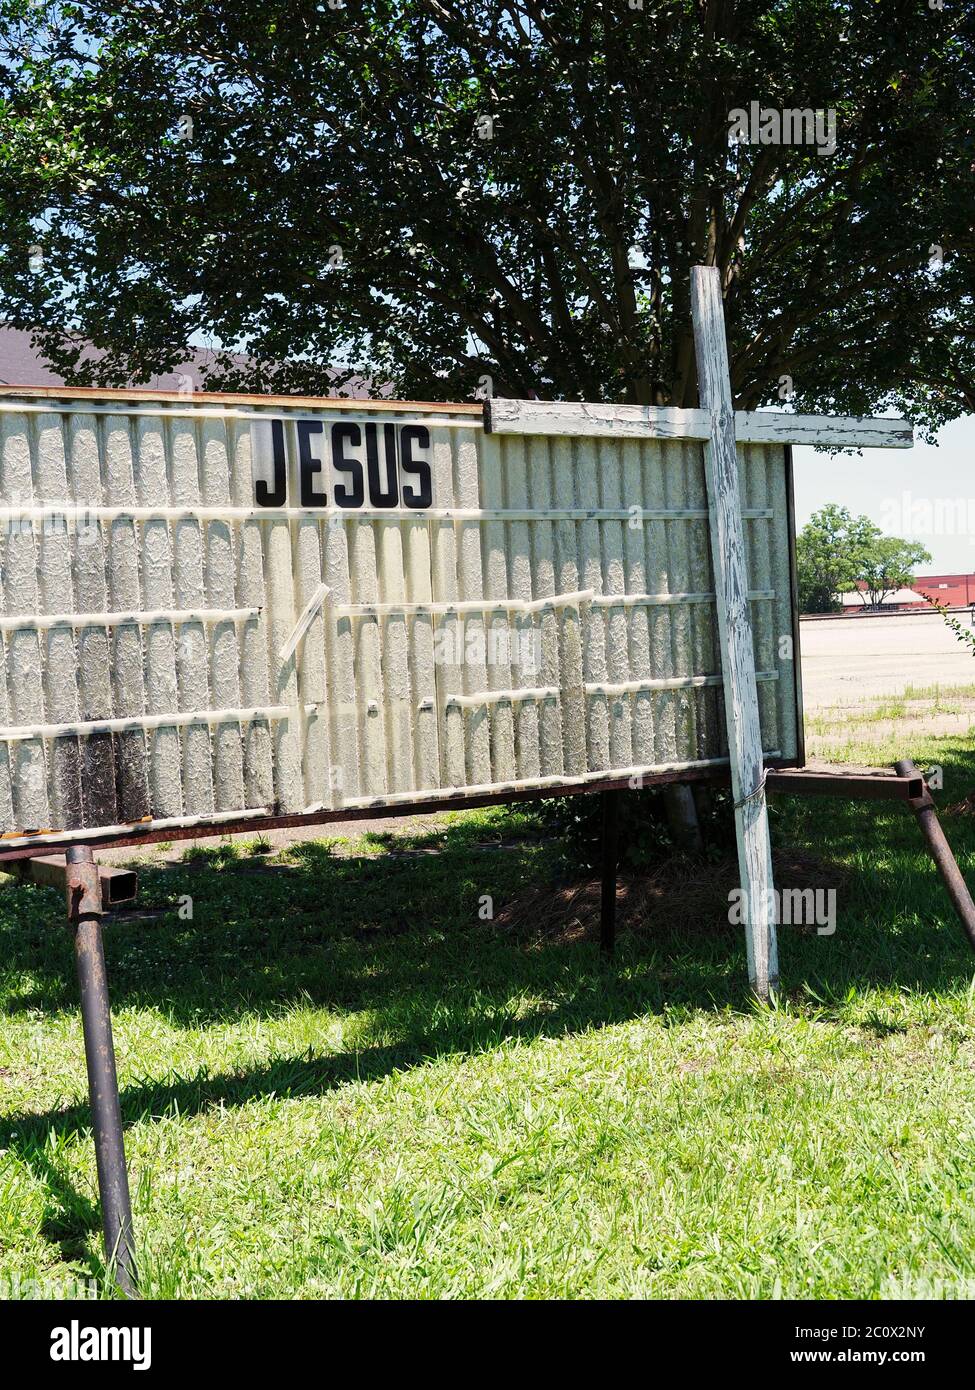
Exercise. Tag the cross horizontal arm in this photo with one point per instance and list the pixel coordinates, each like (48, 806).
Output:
(585, 418)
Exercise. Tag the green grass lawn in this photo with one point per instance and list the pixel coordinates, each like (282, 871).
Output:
(337, 1080)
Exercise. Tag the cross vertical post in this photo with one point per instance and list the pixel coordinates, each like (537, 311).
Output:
(735, 631)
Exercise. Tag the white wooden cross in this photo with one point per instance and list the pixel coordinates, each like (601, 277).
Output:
(719, 427)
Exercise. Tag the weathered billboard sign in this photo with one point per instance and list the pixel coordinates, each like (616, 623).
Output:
(224, 609)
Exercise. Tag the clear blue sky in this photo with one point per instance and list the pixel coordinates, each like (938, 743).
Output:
(926, 493)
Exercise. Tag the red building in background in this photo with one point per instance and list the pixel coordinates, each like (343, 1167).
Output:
(949, 590)
(953, 590)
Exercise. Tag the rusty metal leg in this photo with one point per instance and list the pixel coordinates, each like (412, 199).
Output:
(84, 914)
(610, 858)
(927, 818)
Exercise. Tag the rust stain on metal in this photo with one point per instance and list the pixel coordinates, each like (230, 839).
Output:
(951, 876)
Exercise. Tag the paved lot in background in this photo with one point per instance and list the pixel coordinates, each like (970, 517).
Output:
(848, 660)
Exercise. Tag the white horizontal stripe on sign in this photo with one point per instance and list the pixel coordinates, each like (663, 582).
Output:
(43, 622)
(501, 605)
(513, 605)
(495, 697)
(54, 512)
(175, 719)
(666, 683)
(657, 600)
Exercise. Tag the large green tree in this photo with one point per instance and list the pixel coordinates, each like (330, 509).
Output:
(435, 192)
(838, 553)
(828, 550)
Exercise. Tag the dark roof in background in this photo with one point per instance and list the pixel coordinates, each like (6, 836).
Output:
(22, 365)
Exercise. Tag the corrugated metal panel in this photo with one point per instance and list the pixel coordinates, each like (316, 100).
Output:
(174, 651)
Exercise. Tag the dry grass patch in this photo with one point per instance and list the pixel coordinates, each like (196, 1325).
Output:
(676, 898)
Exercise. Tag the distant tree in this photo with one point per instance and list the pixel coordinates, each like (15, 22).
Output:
(827, 550)
(888, 564)
(837, 553)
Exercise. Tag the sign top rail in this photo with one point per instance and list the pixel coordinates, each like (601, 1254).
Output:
(96, 394)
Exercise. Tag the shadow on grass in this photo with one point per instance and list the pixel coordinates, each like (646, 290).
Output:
(397, 938)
